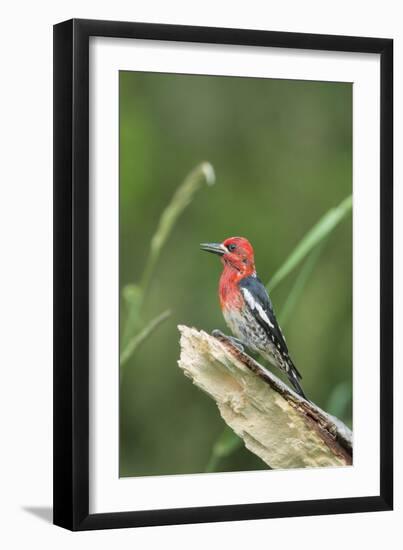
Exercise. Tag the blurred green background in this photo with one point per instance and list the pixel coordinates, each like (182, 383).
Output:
(282, 153)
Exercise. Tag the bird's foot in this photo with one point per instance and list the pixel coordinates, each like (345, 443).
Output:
(237, 343)
(234, 341)
(218, 334)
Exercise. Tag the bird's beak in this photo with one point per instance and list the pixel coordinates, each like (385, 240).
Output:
(215, 248)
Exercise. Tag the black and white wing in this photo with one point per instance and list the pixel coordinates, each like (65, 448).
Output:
(259, 303)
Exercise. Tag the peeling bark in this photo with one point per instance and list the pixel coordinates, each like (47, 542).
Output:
(275, 423)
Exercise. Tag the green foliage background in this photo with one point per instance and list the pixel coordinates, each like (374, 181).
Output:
(282, 153)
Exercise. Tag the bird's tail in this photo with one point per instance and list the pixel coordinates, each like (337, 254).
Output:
(294, 378)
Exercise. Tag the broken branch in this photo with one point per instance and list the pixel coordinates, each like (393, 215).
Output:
(276, 424)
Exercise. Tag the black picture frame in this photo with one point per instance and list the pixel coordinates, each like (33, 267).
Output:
(71, 274)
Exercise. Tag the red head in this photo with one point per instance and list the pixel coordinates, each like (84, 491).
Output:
(236, 255)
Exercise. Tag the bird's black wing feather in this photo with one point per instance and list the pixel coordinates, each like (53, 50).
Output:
(258, 301)
(257, 290)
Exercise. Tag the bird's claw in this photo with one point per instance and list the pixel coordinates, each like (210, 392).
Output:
(234, 341)
(237, 343)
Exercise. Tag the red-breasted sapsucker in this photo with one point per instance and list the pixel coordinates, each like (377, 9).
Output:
(247, 308)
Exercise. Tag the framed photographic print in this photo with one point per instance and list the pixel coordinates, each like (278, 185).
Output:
(223, 321)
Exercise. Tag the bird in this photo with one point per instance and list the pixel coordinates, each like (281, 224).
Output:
(247, 307)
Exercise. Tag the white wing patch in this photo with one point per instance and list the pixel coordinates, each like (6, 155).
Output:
(282, 335)
(253, 304)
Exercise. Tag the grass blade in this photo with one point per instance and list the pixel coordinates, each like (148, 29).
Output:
(204, 173)
(299, 285)
(311, 239)
(226, 444)
(132, 295)
(339, 400)
(139, 338)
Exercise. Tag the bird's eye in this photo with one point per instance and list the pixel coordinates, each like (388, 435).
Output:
(231, 247)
